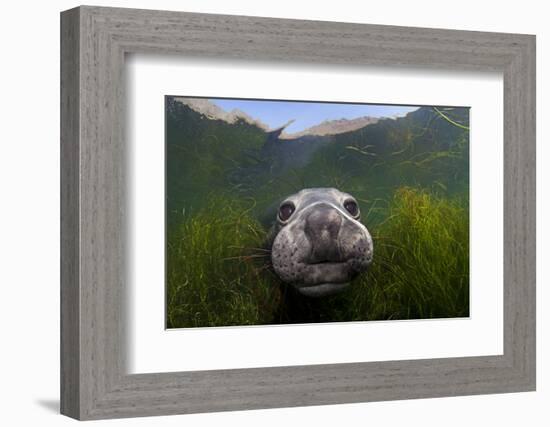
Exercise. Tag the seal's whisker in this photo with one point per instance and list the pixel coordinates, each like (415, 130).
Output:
(249, 247)
(243, 257)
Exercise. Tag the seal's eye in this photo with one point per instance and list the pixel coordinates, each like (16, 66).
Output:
(352, 208)
(286, 210)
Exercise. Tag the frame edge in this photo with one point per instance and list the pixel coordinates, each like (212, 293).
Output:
(70, 395)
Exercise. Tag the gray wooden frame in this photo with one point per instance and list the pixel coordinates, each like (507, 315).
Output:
(94, 41)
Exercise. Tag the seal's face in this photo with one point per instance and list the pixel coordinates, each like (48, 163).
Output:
(319, 244)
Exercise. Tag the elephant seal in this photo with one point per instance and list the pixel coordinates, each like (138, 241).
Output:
(318, 244)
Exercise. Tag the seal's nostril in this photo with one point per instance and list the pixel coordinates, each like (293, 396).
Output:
(322, 227)
(323, 222)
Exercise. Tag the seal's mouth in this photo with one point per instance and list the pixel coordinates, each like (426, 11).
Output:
(322, 289)
(326, 272)
(325, 262)
(325, 277)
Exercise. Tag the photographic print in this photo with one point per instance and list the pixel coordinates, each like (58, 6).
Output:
(284, 211)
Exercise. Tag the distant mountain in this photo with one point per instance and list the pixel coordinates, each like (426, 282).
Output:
(366, 136)
(213, 112)
(328, 127)
(333, 127)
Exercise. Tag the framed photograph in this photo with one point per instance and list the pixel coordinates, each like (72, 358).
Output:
(270, 203)
(262, 213)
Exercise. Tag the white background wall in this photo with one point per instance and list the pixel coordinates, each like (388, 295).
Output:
(29, 213)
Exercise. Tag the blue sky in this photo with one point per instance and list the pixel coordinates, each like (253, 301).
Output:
(307, 114)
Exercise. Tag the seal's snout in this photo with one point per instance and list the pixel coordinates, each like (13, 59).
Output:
(319, 244)
(322, 226)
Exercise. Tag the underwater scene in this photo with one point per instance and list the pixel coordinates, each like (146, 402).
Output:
(281, 212)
